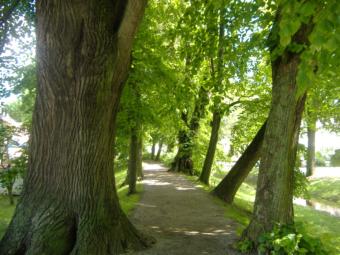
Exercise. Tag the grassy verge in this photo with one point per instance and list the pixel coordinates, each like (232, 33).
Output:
(6, 213)
(317, 224)
(127, 203)
(325, 190)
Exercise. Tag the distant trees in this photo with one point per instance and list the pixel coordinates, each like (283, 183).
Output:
(335, 158)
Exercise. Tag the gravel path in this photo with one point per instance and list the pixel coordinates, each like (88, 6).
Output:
(181, 217)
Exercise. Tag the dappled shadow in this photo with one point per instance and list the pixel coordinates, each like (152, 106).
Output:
(183, 218)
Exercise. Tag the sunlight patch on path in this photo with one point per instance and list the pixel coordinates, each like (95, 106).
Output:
(183, 218)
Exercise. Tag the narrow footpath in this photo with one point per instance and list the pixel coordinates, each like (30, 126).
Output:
(181, 217)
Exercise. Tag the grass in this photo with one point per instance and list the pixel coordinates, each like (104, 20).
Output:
(127, 203)
(316, 224)
(6, 213)
(325, 190)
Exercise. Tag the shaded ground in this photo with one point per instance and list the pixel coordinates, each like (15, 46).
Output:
(183, 219)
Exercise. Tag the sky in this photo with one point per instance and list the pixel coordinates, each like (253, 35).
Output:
(323, 140)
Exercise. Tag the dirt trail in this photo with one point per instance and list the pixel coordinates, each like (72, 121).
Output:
(183, 219)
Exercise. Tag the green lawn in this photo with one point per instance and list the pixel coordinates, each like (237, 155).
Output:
(325, 190)
(127, 202)
(6, 212)
(317, 224)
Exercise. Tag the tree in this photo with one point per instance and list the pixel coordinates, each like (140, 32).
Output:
(335, 158)
(160, 146)
(311, 132)
(183, 159)
(294, 64)
(134, 166)
(69, 204)
(10, 173)
(227, 188)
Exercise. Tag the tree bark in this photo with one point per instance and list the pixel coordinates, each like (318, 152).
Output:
(183, 159)
(69, 203)
(209, 158)
(153, 149)
(160, 145)
(274, 194)
(10, 194)
(227, 188)
(133, 161)
(140, 174)
(311, 150)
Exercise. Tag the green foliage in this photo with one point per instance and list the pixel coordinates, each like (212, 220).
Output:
(286, 239)
(300, 184)
(325, 190)
(6, 214)
(320, 159)
(244, 246)
(8, 177)
(335, 158)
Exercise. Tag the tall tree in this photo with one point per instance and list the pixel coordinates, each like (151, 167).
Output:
(69, 204)
(183, 160)
(294, 51)
(311, 133)
(159, 151)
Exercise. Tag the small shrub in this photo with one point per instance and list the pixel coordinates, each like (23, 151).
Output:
(284, 240)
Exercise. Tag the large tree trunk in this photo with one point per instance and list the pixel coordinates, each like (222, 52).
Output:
(227, 188)
(209, 158)
(160, 145)
(311, 149)
(274, 194)
(183, 159)
(69, 203)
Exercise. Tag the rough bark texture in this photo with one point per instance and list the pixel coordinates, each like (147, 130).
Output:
(183, 161)
(311, 150)
(69, 204)
(227, 188)
(209, 158)
(274, 194)
(160, 145)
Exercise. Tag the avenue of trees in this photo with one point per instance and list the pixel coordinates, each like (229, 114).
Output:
(102, 84)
